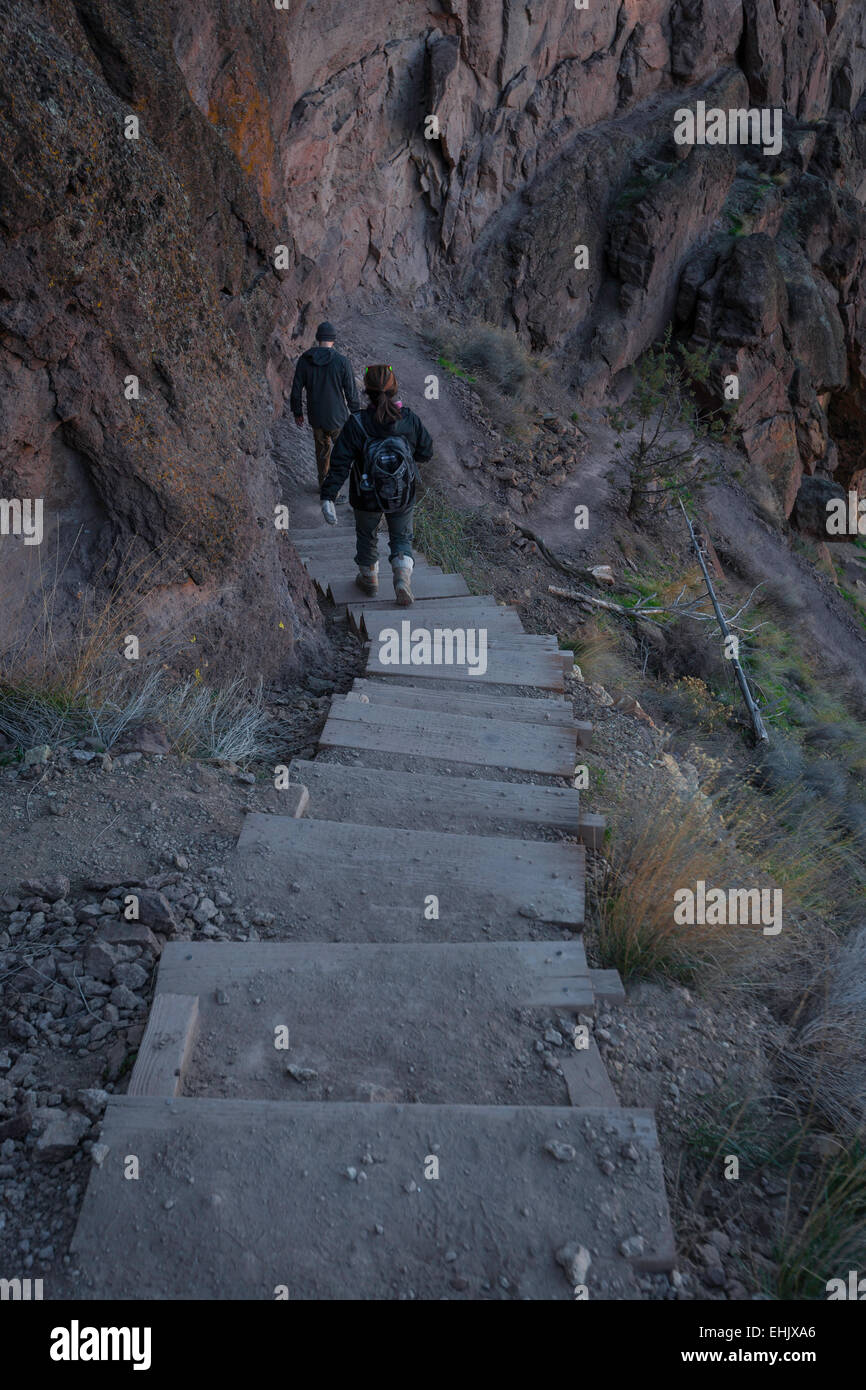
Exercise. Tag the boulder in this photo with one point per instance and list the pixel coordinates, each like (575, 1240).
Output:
(149, 737)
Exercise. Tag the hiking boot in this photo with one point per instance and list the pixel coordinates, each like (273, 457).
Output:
(402, 569)
(367, 578)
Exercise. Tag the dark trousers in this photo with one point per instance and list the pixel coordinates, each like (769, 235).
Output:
(400, 535)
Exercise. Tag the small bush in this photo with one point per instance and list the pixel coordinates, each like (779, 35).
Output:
(691, 651)
(778, 766)
(662, 431)
(497, 354)
(827, 779)
(60, 659)
(785, 601)
(492, 359)
(799, 841)
(726, 836)
(452, 367)
(825, 1055)
(726, 1124)
(640, 183)
(691, 704)
(854, 815)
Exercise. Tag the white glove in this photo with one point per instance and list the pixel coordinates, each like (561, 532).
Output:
(329, 512)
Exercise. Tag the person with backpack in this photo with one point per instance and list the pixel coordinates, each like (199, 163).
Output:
(327, 377)
(378, 449)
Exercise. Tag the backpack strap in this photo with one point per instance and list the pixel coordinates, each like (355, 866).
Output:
(357, 465)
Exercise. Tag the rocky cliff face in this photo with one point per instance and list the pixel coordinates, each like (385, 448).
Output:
(309, 126)
(757, 256)
(151, 259)
(555, 129)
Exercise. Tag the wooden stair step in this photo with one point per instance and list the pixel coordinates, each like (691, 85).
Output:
(325, 572)
(339, 880)
(607, 986)
(273, 1204)
(586, 1077)
(521, 666)
(495, 635)
(167, 1045)
(463, 609)
(374, 796)
(325, 534)
(474, 705)
(392, 1001)
(340, 546)
(370, 621)
(452, 737)
(343, 559)
(460, 603)
(511, 708)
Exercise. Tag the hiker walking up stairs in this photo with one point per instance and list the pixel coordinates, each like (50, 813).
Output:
(397, 1095)
(378, 450)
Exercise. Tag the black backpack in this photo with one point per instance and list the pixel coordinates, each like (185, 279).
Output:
(388, 472)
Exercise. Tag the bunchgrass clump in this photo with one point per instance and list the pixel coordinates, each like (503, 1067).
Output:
(226, 722)
(824, 1233)
(443, 534)
(726, 836)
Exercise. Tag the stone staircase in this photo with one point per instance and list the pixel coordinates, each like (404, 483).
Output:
(390, 1099)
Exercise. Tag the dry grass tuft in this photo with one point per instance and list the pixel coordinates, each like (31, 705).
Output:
(61, 688)
(661, 848)
(62, 659)
(598, 654)
(728, 838)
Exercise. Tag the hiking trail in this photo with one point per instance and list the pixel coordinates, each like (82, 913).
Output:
(427, 886)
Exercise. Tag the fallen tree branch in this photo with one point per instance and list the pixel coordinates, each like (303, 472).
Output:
(680, 610)
(602, 603)
(564, 565)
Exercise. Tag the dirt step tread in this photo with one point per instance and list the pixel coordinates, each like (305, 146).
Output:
(371, 796)
(434, 1022)
(455, 737)
(272, 1202)
(379, 879)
